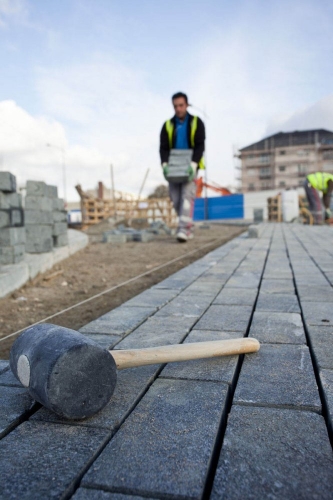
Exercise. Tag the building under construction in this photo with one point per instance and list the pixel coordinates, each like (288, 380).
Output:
(283, 160)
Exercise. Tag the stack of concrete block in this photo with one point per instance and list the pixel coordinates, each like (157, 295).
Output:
(45, 218)
(12, 231)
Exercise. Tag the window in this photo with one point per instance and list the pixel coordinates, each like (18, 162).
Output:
(282, 184)
(251, 172)
(302, 168)
(328, 155)
(282, 168)
(251, 187)
(265, 185)
(265, 172)
(302, 152)
(282, 152)
(264, 158)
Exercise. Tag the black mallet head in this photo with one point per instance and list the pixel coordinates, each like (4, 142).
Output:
(63, 370)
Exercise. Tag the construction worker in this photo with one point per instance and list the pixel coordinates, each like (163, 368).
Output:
(315, 183)
(183, 131)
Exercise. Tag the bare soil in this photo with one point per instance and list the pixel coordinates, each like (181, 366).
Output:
(97, 268)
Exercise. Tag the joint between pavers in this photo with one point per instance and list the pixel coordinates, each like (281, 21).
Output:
(19, 420)
(318, 411)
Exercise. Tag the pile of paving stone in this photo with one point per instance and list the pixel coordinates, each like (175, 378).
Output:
(123, 234)
(12, 231)
(45, 218)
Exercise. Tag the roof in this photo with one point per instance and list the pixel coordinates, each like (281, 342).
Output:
(296, 138)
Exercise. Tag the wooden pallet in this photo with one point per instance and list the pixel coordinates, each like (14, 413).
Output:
(274, 207)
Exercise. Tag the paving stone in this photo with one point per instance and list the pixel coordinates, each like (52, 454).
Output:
(202, 288)
(119, 321)
(153, 297)
(185, 305)
(278, 328)
(43, 203)
(4, 365)
(277, 286)
(225, 318)
(52, 191)
(278, 375)
(36, 188)
(42, 460)
(245, 281)
(220, 369)
(278, 303)
(215, 276)
(317, 313)
(58, 204)
(7, 182)
(170, 454)
(132, 383)
(37, 217)
(10, 200)
(240, 297)
(274, 454)
(315, 293)
(59, 228)
(105, 341)
(89, 494)
(59, 216)
(15, 403)
(7, 378)
(326, 378)
(61, 240)
(11, 236)
(321, 338)
(38, 238)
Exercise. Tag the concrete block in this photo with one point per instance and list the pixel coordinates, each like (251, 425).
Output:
(225, 318)
(278, 328)
(11, 236)
(58, 204)
(7, 182)
(36, 217)
(321, 338)
(66, 449)
(36, 188)
(277, 303)
(11, 259)
(274, 453)
(39, 239)
(59, 216)
(255, 231)
(120, 321)
(318, 314)
(170, 454)
(59, 228)
(278, 375)
(11, 217)
(116, 239)
(132, 383)
(39, 203)
(61, 240)
(220, 369)
(13, 277)
(153, 297)
(52, 191)
(236, 297)
(10, 200)
(15, 403)
(277, 286)
(143, 236)
(4, 218)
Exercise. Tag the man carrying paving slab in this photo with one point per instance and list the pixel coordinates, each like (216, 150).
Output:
(182, 144)
(315, 183)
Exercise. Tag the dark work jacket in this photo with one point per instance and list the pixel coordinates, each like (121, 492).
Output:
(199, 140)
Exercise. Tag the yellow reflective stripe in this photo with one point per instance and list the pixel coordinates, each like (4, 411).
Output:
(194, 126)
(202, 163)
(169, 128)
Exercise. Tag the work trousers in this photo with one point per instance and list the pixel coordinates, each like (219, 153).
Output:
(182, 196)
(315, 203)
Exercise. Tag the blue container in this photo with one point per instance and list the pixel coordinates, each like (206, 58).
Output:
(220, 207)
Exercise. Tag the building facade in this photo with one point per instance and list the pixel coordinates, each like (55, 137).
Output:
(284, 159)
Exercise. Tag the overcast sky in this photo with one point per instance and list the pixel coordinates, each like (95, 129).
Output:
(93, 78)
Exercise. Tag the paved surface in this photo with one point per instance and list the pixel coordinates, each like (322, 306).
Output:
(251, 427)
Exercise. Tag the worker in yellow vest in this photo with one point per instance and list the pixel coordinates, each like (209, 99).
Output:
(183, 131)
(313, 185)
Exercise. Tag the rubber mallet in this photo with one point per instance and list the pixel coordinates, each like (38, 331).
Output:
(75, 377)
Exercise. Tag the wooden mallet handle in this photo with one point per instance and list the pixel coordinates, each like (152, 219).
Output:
(183, 352)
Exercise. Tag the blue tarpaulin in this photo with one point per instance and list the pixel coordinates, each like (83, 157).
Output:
(220, 207)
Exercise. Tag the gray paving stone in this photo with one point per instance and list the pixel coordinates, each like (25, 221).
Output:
(43, 203)
(274, 454)
(326, 378)
(153, 297)
(317, 313)
(220, 369)
(245, 281)
(119, 321)
(278, 328)
(89, 494)
(105, 341)
(170, 454)
(4, 365)
(278, 303)
(321, 338)
(42, 460)
(36, 188)
(225, 318)
(39, 238)
(315, 293)
(7, 182)
(10, 200)
(7, 378)
(278, 375)
(15, 403)
(176, 284)
(201, 288)
(233, 296)
(132, 383)
(10, 236)
(185, 305)
(277, 286)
